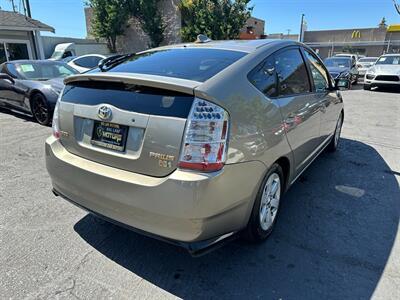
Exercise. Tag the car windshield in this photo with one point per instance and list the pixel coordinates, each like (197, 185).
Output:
(185, 63)
(338, 62)
(43, 70)
(367, 60)
(389, 60)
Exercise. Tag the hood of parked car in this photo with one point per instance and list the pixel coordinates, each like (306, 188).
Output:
(386, 69)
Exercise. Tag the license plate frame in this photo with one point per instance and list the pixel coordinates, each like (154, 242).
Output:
(109, 136)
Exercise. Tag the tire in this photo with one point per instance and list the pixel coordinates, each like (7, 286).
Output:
(40, 109)
(367, 87)
(258, 230)
(334, 143)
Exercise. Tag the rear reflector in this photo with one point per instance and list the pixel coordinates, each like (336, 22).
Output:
(55, 123)
(205, 142)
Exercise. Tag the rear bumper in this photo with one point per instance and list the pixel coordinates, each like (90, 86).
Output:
(186, 208)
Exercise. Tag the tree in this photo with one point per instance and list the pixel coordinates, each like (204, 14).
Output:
(149, 16)
(218, 19)
(109, 20)
(383, 24)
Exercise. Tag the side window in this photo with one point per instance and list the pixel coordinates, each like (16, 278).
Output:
(87, 61)
(11, 70)
(67, 54)
(318, 73)
(263, 77)
(292, 73)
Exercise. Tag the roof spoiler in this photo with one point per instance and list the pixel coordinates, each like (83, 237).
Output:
(155, 81)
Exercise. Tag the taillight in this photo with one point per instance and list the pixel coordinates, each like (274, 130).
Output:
(56, 123)
(204, 146)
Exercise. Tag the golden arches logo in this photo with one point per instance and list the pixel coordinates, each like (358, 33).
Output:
(356, 34)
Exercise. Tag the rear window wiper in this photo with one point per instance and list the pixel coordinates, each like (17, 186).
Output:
(114, 60)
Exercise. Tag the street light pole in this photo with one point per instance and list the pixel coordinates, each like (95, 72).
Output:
(301, 28)
(397, 6)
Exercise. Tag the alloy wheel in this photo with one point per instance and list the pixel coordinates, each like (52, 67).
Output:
(270, 201)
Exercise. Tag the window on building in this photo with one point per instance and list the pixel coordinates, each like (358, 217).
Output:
(17, 51)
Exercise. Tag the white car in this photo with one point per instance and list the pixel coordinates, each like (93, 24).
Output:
(364, 64)
(86, 62)
(385, 72)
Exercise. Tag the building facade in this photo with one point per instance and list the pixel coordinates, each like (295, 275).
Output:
(253, 29)
(20, 37)
(135, 39)
(363, 41)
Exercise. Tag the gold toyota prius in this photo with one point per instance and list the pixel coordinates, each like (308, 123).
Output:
(194, 143)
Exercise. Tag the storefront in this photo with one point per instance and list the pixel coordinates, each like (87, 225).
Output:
(20, 37)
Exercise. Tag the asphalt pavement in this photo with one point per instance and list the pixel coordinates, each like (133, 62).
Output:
(337, 236)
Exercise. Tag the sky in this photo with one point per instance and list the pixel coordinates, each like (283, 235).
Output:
(67, 16)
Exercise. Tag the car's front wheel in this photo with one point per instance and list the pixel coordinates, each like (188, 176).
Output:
(40, 109)
(266, 206)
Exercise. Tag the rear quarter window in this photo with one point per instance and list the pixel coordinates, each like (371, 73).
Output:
(186, 63)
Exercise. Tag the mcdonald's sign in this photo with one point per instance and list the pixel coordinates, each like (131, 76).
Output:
(356, 34)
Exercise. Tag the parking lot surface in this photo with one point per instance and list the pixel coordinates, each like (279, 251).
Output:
(337, 235)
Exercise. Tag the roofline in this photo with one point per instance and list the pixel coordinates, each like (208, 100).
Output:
(17, 28)
(346, 29)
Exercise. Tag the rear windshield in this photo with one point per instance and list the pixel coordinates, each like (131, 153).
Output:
(186, 63)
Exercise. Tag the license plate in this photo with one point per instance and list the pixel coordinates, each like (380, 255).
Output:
(109, 135)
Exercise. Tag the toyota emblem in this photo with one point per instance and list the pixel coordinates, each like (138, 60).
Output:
(105, 113)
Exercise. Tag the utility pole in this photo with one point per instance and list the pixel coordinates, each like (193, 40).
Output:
(396, 6)
(301, 28)
(28, 8)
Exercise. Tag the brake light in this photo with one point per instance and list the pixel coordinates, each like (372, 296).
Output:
(205, 146)
(55, 123)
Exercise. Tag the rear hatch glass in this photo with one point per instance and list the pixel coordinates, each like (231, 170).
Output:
(186, 63)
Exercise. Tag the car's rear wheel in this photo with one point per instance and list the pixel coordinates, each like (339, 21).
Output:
(334, 143)
(40, 109)
(266, 206)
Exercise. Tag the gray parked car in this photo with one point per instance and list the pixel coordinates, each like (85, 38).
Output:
(194, 143)
(33, 86)
(385, 72)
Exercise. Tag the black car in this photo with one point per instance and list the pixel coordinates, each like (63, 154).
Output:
(342, 68)
(33, 86)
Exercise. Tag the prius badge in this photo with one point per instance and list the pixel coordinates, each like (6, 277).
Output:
(105, 113)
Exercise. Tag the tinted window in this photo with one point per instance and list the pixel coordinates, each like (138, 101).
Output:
(263, 77)
(186, 63)
(89, 62)
(338, 62)
(135, 98)
(318, 73)
(292, 73)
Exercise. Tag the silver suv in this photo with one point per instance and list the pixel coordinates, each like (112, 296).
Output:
(193, 143)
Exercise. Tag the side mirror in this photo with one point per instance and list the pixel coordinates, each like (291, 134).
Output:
(5, 76)
(342, 84)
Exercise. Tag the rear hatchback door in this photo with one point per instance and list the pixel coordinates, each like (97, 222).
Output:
(132, 116)
(136, 125)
